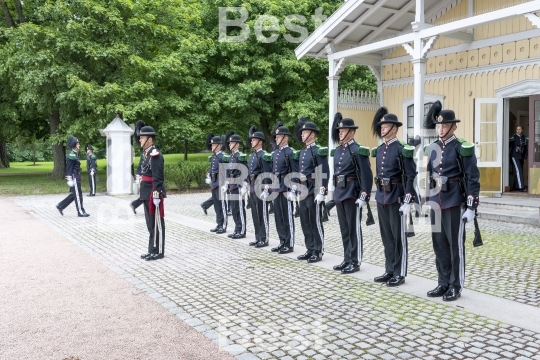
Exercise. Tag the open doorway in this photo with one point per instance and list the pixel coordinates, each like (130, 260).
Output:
(518, 115)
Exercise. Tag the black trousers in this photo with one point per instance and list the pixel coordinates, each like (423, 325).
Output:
(92, 183)
(238, 212)
(449, 247)
(519, 181)
(219, 206)
(283, 215)
(155, 244)
(312, 227)
(136, 203)
(349, 216)
(207, 204)
(74, 194)
(395, 244)
(259, 214)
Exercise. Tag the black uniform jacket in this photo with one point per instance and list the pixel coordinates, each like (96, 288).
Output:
(346, 183)
(152, 165)
(518, 146)
(91, 162)
(215, 160)
(282, 165)
(442, 165)
(235, 158)
(309, 158)
(259, 162)
(388, 156)
(73, 165)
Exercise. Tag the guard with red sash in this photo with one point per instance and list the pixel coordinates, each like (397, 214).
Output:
(152, 193)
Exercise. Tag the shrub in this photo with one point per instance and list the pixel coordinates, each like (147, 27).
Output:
(185, 173)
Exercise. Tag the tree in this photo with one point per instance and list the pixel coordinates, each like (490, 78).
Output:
(260, 81)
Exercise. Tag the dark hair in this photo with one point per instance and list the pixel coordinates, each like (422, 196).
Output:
(519, 127)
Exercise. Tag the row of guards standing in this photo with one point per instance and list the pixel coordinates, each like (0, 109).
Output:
(283, 176)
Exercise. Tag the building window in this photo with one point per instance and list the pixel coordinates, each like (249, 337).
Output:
(430, 135)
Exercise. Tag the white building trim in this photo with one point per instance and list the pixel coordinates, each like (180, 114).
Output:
(467, 71)
(358, 100)
(527, 87)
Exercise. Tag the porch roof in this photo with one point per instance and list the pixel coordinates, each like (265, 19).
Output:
(360, 22)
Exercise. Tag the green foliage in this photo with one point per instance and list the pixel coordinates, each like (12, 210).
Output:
(184, 174)
(29, 150)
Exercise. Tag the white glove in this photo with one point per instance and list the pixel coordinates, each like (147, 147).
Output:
(291, 196)
(243, 190)
(468, 216)
(224, 188)
(405, 209)
(319, 198)
(92, 172)
(360, 203)
(70, 181)
(265, 193)
(156, 198)
(207, 180)
(137, 178)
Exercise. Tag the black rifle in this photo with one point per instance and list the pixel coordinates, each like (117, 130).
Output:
(463, 187)
(369, 220)
(410, 229)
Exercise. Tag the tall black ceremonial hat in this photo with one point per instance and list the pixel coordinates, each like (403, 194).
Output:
(383, 117)
(71, 142)
(436, 116)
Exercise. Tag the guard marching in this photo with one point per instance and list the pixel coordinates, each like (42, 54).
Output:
(352, 188)
(450, 162)
(396, 172)
(215, 143)
(518, 153)
(153, 194)
(313, 169)
(236, 190)
(283, 164)
(73, 177)
(91, 168)
(257, 166)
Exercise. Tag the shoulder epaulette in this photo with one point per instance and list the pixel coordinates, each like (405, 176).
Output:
(225, 158)
(408, 150)
(210, 158)
(72, 155)
(363, 150)
(467, 149)
(374, 151)
(242, 157)
(426, 147)
(296, 155)
(332, 152)
(93, 156)
(268, 156)
(323, 151)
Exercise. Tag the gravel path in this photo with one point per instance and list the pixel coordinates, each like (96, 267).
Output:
(60, 303)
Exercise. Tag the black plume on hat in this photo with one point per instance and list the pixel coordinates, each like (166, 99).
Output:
(433, 113)
(224, 142)
(138, 126)
(335, 131)
(375, 128)
(209, 140)
(298, 128)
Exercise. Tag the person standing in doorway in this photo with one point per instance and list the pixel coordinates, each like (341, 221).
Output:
(518, 155)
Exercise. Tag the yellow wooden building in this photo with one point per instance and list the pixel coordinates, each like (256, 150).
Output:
(480, 58)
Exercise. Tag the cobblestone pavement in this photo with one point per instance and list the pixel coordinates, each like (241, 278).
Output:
(256, 304)
(507, 266)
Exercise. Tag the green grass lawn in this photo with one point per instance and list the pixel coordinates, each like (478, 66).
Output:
(24, 178)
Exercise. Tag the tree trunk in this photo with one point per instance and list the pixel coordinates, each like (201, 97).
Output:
(265, 128)
(4, 161)
(7, 14)
(59, 156)
(20, 12)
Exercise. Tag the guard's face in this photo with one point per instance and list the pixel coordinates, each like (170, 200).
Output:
(343, 133)
(446, 130)
(519, 130)
(281, 140)
(142, 140)
(255, 142)
(77, 146)
(88, 151)
(233, 145)
(215, 147)
(307, 136)
(386, 129)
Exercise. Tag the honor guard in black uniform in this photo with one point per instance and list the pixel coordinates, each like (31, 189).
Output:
(518, 154)
(314, 186)
(396, 173)
(138, 202)
(91, 168)
(215, 144)
(452, 182)
(73, 177)
(283, 164)
(258, 164)
(351, 160)
(235, 188)
(153, 194)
